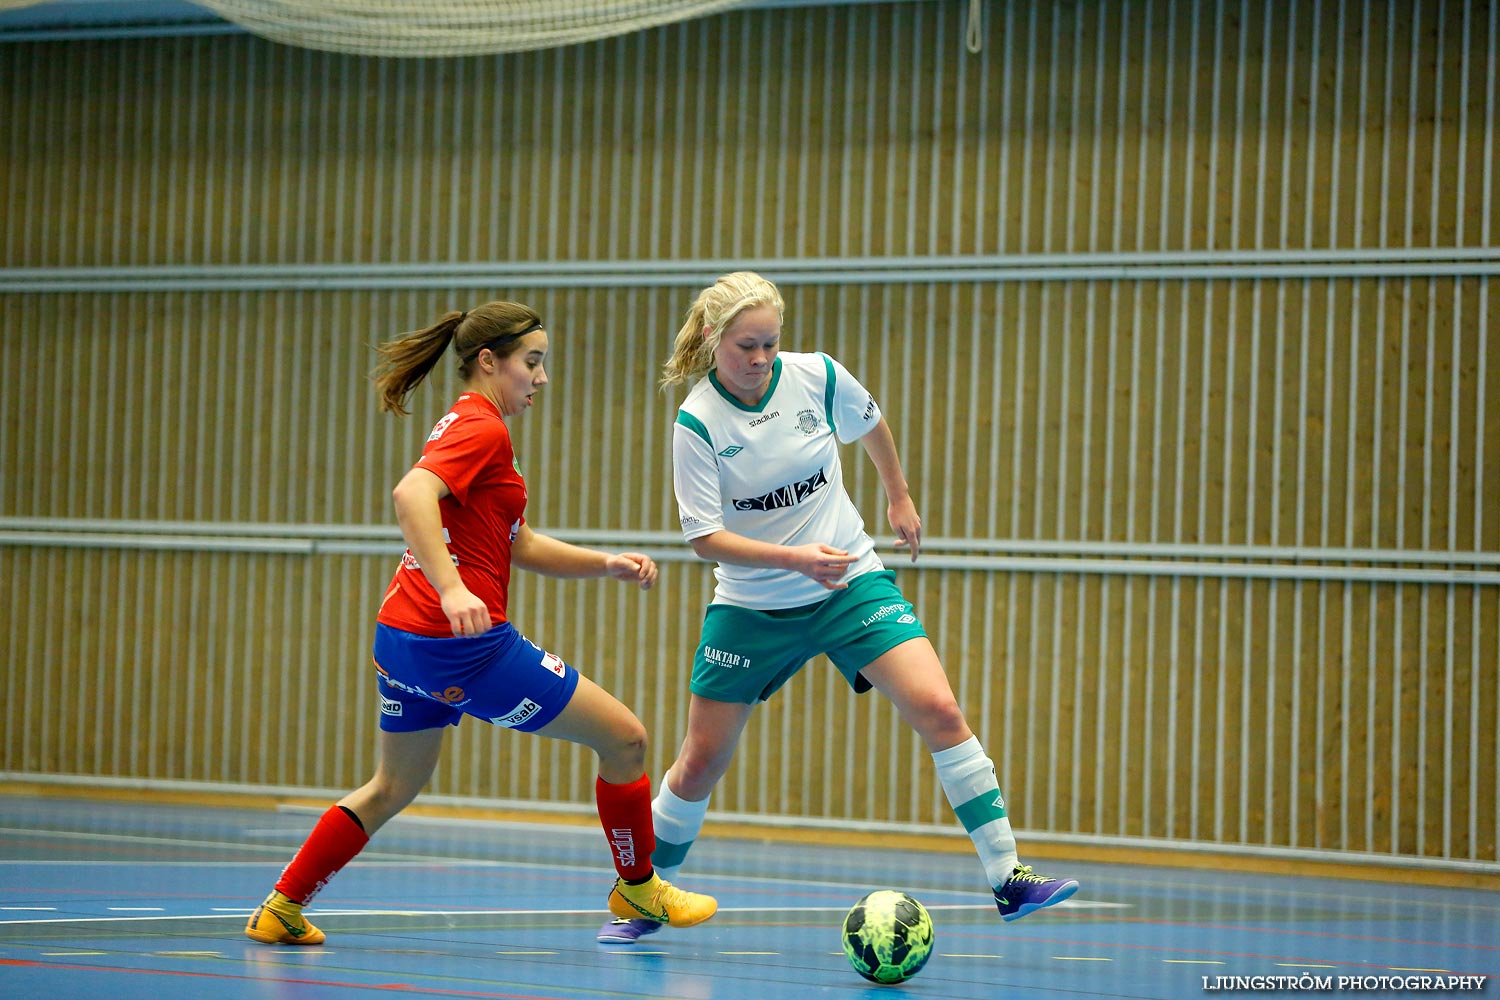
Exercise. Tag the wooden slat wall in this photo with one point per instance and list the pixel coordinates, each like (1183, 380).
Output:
(864, 130)
(1355, 411)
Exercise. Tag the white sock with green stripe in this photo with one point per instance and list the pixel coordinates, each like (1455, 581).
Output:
(677, 824)
(968, 778)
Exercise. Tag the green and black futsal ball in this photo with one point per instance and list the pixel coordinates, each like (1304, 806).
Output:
(888, 937)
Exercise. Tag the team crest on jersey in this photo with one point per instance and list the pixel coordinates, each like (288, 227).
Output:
(441, 425)
(807, 422)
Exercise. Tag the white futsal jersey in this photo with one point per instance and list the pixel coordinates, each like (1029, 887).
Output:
(771, 472)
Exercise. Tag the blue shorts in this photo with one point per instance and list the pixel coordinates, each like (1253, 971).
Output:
(501, 677)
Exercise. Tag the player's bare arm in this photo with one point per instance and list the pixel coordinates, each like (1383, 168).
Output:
(416, 499)
(552, 557)
(901, 511)
(820, 562)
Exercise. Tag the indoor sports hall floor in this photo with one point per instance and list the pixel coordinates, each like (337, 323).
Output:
(102, 899)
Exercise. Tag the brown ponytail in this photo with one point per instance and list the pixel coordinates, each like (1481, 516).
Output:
(406, 360)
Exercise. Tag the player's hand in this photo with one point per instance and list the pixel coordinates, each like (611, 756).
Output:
(823, 563)
(907, 525)
(467, 615)
(632, 567)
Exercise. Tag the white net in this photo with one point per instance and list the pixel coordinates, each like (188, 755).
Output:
(453, 27)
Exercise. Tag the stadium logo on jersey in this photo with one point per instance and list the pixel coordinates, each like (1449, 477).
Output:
(763, 418)
(518, 715)
(441, 425)
(731, 451)
(789, 495)
(807, 422)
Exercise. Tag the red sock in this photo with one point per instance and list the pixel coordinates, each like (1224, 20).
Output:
(332, 844)
(625, 811)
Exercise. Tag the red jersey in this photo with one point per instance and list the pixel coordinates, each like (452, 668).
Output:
(470, 451)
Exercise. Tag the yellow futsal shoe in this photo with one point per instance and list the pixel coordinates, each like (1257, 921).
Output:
(661, 901)
(280, 921)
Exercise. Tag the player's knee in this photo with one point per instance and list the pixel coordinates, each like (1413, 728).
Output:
(694, 773)
(939, 720)
(384, 797)
(625, 750)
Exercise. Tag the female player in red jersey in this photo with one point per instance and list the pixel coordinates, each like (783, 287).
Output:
(444, 646)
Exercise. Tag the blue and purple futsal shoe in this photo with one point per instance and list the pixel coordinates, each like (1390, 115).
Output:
(1026, 892)
(627, 930)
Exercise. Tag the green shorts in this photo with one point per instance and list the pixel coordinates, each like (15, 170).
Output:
(744, 655)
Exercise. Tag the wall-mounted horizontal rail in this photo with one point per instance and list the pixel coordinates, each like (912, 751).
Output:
(987, 554)
(1426, 262)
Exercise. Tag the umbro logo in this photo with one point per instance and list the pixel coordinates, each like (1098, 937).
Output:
(731, 451)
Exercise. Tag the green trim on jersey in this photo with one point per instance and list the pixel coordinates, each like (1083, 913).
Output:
(773, 474)
(695, 425)
(828, 393)
(739, 405)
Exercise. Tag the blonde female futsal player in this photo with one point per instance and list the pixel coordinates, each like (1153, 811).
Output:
(760, 491)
